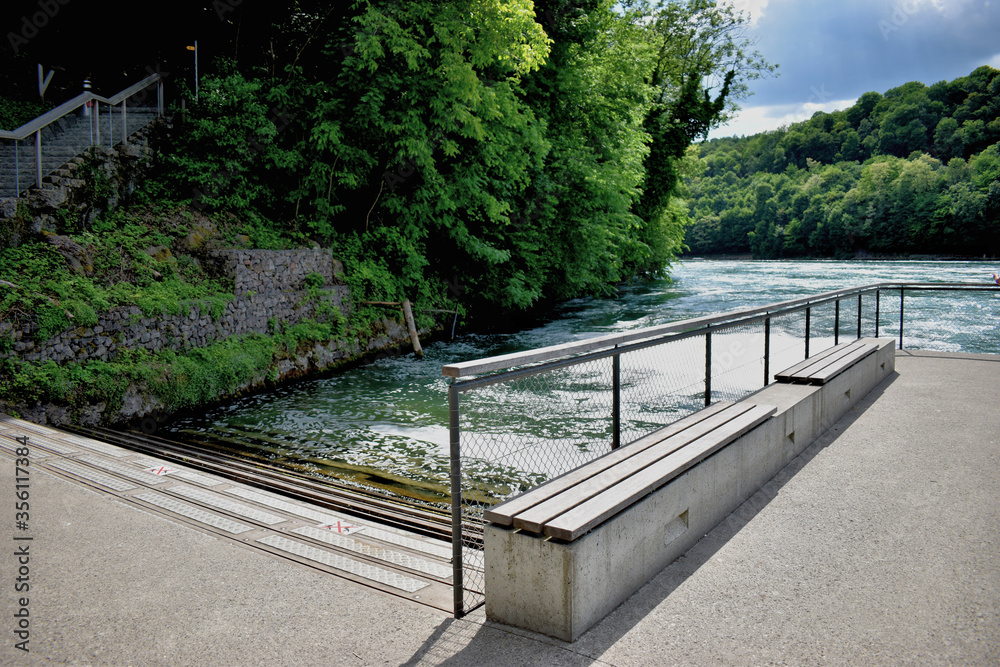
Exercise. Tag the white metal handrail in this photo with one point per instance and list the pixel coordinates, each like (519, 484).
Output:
(36, 126)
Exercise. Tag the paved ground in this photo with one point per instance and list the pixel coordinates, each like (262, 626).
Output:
(879, 545)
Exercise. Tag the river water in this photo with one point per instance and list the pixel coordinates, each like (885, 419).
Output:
(385, 425)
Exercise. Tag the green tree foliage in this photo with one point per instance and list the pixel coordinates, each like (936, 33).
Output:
(911, 171)
(499, 153)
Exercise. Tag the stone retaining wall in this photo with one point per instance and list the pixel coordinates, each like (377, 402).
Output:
(275, 270)
(269, 288)
(125, 328)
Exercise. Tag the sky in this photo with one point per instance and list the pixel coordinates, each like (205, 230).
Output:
(830, 52)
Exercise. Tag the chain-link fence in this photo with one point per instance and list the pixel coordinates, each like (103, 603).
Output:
(512, 430)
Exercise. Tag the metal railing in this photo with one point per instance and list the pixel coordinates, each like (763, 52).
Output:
(518, 419)
(39, 147)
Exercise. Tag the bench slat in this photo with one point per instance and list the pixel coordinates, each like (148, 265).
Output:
(833, 370)
(827, 359)
(534, 518)
(815, 359)
(586, 516)
(503, 513)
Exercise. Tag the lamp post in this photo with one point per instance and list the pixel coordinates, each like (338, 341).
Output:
(195, 49)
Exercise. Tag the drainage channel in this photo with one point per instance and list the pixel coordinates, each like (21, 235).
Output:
(384, 545)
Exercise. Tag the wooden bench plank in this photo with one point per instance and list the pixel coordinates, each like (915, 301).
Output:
(827, 359)
(534, 518)
(503, 513)
(798, 368)
(594, 511)
(833, 370)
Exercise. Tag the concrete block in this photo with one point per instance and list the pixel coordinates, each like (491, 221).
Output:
(561, 589)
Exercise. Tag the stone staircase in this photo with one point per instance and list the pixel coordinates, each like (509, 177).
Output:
(63, 140)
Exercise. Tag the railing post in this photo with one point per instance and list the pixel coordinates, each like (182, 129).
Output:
(456, 501)
(708, 368)
(767, 351)
(901, 300)
(616, 402)
(124, 127)
(878, 309)
(808, 317)
(836, 322)
(17, 171)
(859, 314)
(38, 159)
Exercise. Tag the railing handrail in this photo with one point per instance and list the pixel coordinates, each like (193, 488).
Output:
(66, 108)
(515, 359)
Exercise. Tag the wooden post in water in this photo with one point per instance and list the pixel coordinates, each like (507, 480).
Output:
(411, 325)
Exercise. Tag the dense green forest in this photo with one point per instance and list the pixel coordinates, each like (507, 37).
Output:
(491, 156)
(913, 171)
(498, 153)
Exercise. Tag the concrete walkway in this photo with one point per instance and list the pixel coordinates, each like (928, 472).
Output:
(879, 545)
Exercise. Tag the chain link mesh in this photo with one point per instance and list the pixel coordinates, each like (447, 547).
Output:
(519, 432)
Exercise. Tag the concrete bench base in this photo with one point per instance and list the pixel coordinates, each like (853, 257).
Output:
(561, 589)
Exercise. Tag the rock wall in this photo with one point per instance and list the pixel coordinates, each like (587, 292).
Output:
(269, 288)
(276, 270)
(124, 328)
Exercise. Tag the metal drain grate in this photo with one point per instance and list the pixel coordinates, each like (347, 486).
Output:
(291, 508)
(92, 475)
(190, 512)
(96, 446)
(226, 505)
(379, 553)
(370, 572)
(125, 470)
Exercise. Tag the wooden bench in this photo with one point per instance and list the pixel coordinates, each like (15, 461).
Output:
(563, 555)
(569, 506)
(828, 364)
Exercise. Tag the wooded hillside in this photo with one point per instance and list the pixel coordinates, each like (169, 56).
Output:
(915, 170)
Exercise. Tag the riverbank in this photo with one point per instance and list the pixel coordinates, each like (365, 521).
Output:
(265, 318)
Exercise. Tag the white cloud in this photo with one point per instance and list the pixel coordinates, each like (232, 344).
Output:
(994, 62)
(753, 120)
(755, 8)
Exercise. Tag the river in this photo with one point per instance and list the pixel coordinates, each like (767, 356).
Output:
(384, 425)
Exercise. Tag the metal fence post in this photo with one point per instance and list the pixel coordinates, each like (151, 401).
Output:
(456, 501)
(616, 401)
(124, 126)
(901, 300)
(836, 322)
(708, 368)
(808, 317)
(878, 308)
(38, 159)
(859, 314)
(767, 351)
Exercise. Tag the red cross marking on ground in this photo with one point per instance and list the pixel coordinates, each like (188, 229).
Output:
(340, 527)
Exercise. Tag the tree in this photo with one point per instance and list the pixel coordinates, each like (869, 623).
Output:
(702, 69)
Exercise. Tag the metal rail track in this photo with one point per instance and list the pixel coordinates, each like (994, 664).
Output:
(330, 494)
